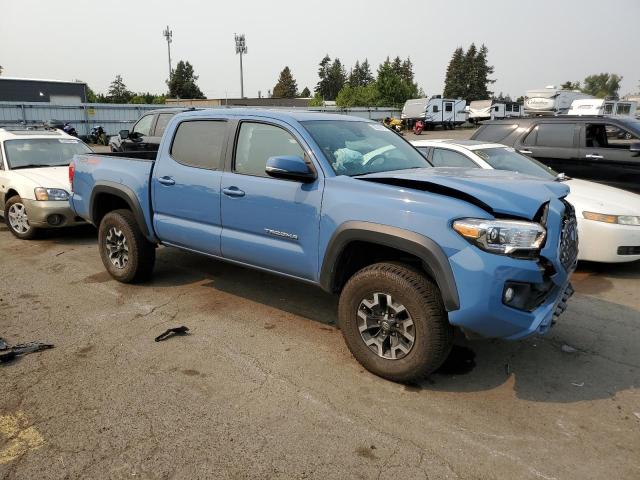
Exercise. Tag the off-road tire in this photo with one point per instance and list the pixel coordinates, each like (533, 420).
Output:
(141, 252)
(29, 234)
(423, 301)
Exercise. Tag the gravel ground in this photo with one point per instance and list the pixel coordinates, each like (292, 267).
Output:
(264, 387)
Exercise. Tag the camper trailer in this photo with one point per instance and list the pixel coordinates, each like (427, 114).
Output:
(550, 101)
(599, 106)
(493, 110)
(435, 111)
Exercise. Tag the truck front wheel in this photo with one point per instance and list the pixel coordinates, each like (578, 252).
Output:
(126, 254)
(394, 322)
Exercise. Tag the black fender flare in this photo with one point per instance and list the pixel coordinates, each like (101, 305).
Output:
(434, 260)
(126, 194)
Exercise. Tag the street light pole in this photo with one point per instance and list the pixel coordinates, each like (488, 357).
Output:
(168, 34)
(241, 49)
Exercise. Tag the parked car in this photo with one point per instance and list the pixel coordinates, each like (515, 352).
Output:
(608, 218)
(480, 110)
(601, 149)
(550, 101)
(345, 204)
(146, 133)
(34, 182)
(434, 111)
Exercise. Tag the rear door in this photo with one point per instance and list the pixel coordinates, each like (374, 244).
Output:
(555, 144)
(605, 151)
(186, 186)
(268, 222)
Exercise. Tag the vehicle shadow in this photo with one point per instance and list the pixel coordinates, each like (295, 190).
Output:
(591, 354)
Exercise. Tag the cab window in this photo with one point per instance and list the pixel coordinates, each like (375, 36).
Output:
(198, 143)
(161, 124)
(257, 142)
(143, 127)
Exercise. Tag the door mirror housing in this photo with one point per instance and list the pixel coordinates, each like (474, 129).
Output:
(635, 147)
(290, 167)
(124, 134)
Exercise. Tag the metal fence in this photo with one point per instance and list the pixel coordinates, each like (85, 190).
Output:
(115, 117)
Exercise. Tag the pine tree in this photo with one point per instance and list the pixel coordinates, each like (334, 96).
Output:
(286, 86)
(366, 77)
(454, 83)
(118, 92)
(322, 88)
(183, 82)
(306, 93)
(478, 88)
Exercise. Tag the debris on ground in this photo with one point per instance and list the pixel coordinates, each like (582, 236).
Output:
(172, 332)
(568, 348)
(637, 414)
(12, 352)
(581, 384)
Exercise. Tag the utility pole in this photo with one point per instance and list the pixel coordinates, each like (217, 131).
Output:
(168, 34)
(241, 49)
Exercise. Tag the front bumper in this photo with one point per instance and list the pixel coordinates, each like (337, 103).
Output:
(481, 278)
(599, 241)
(51, 214)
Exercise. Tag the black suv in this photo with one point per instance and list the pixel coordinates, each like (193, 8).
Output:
(599, 148)
(146, 133)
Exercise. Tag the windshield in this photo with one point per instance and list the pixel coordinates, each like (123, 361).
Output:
(42, 152)
(358, 148)
(505, 158)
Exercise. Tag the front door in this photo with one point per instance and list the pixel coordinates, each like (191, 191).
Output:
(605, 151)
(186, 186)
(268, 222)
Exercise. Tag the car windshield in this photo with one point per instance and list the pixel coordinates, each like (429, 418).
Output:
(359, 148)
(506, 158)
(42, 152)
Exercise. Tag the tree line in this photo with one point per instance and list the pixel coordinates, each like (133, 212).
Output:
(600, 85)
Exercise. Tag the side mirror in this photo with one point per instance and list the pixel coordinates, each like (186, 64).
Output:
(124, 134)
(635, 147)
(290, 167)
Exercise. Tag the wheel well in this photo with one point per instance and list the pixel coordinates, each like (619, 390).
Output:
(104, 203)
(10, 193)
(358, 254)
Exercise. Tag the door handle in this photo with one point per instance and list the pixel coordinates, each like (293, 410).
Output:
(527, 152)
(233, 192)
(166, 180)
(594, 156)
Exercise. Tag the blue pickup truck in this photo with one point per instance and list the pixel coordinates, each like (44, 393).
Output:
(348, 205)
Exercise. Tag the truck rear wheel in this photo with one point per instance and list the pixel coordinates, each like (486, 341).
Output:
(126, 254)
(394, 322)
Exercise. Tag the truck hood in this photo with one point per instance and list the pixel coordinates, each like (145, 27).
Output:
(496, 191)
(47, 177)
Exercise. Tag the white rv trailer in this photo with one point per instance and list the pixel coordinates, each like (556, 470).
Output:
(493, 110)
(600, 106)
(435, 111)
(550, 101)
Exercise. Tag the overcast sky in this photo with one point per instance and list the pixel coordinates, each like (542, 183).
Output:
(531, 44)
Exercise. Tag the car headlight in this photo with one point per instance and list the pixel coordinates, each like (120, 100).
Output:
(45, 194)
(619, 219)
(504, 237)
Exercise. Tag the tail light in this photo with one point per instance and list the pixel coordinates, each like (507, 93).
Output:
(72, 171)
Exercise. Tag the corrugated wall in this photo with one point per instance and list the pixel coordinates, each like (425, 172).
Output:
(115, 117)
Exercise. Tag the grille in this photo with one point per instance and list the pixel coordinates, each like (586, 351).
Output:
(568, 250)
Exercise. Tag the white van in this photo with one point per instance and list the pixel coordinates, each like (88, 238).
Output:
(599, 106)
(493, 110)
(550, 101)
(435, 111)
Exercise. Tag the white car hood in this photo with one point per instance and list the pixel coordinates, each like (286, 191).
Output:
(47, 177)
(598, 198)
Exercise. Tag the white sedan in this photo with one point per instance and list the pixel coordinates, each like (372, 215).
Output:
(608, 218)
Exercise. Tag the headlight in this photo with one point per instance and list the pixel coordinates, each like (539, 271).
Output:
(619, 219)
(503, 237)
(45, 194)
